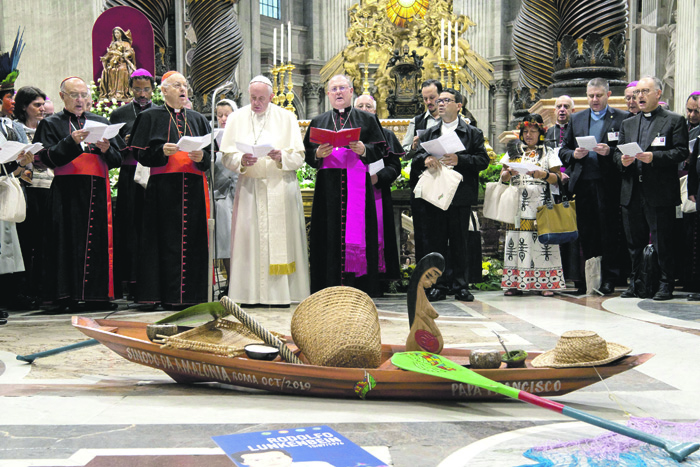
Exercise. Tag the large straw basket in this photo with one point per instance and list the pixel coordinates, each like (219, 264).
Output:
(338, 326)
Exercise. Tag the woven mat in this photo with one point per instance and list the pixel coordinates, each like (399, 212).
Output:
(219, 337)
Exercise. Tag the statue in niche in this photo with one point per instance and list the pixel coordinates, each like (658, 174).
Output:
(118, 64)
(668, 30)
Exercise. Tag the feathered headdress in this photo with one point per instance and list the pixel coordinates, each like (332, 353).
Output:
(8, 63)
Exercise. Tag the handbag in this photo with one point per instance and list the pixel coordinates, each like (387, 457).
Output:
(13, 205)
(438, 187)
(474, 250)
(594, 273)
(556, 223)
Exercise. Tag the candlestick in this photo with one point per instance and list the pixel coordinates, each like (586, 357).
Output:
(442, 39)
(442, 73)
(449, 41)
(282, 44)
(290, 87)
(456, 41)
(274, 48)
(275, 70)
(289, 42)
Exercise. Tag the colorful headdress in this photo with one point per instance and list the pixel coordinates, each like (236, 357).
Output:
(8, 64)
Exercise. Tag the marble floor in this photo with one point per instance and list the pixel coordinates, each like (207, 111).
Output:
(91, 407)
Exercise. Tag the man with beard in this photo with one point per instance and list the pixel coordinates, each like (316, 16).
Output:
(78, 254)
(430, 91)
(344, 235)
(173, 258)
(631, 99)
(595, 180)
(650, 187)
(130, 194)
(269, 260)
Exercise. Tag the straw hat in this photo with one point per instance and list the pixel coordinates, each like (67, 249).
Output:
(580, 348)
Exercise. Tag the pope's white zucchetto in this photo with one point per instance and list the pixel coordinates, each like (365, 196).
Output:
(261, 79)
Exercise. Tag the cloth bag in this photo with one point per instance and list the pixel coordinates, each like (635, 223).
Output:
(594, 274)
(474, 250)
(142, 174)
(492, 197)
(438, 187)
(13, 205)
(509, 205)
(501, 202)
(556, 223)
(686, 205)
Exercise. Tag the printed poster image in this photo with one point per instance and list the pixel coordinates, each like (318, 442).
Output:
(314, 446)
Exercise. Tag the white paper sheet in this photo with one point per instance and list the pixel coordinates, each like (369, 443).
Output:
(523, 167)
(586, 142)
(99, 131)
(261, 150)
(375, 167)
(446, 144)
(193, 143)
(11, 149)
(218, 135)
(629, 149)
(691, 144)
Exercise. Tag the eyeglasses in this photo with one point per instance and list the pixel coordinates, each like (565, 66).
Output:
(75, 95)
(338, 89)
(444, 101)
(140, 90)
(644, 92)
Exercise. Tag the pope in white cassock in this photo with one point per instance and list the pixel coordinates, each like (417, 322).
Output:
(269, 261)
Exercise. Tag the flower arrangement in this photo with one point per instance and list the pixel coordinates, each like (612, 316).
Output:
(491, 275)
(401, 183)
(105, 107)
(401, 285)
(306, 175)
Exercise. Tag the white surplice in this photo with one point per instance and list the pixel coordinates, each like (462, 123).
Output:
(269, 260)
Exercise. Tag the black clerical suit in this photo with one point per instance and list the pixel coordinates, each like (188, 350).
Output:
(446, 231)
(650, 192)
(554, 137)
(595, 182)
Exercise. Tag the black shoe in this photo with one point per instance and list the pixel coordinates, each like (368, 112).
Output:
(580, 288)
(665, 293)
(607, 288)
(693, 297)
(463, 295)
(3, 321)
(436, 295)
(4, 314)
(629, 293)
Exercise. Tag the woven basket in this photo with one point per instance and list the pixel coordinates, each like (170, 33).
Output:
(338, 326)
(219, 337)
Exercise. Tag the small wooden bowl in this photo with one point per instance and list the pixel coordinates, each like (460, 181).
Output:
(153, 330)
(261, 352)
(514, 358)
(485, 359)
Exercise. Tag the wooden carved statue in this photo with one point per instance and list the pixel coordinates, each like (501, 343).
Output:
(424, 333)
(118, 64)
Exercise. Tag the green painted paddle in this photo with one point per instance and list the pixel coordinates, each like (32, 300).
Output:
(436, 365)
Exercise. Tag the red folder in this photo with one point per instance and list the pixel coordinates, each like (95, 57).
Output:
(337, 139)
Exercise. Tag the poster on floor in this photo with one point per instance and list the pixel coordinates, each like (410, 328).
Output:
(314, 446)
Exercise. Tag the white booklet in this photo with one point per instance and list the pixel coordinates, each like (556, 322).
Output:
(375, 167)
(258, 151)
(11, 149)
(629, 149)
(193, 143)
(446, 144)
(99, 131)
(586, 142)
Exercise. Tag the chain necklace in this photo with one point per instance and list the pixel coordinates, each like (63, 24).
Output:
(262, 128)
(345, 123)
(184, 110)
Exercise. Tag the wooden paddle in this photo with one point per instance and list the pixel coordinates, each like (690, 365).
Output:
(436, 365)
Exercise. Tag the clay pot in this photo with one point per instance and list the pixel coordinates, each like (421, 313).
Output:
(514, 358)
(485, 359)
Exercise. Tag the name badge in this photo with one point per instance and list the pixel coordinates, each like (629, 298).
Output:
(659, 141)
(613, 135)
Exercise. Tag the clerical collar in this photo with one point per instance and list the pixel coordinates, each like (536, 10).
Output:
(600, 114)
(71, 114)
(341, 111)
(173, 109)
(653, 113)
(562, 125)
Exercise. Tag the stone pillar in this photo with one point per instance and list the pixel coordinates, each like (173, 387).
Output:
(312, 94)
(501, 92)
(687, 64)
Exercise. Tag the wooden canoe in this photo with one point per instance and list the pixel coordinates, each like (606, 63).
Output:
(129, 340)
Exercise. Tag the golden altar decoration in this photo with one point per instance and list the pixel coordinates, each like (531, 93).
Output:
(373, 37)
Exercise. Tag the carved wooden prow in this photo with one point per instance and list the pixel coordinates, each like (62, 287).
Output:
(424, 333)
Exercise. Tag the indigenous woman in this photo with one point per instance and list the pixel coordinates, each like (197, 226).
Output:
(529, 264)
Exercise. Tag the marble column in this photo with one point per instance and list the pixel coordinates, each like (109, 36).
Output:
(687, 64)
(312, 95)
(501, 92)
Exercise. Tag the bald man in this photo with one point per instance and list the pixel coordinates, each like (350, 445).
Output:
(173, 268)
(78, 254)
(563, 107)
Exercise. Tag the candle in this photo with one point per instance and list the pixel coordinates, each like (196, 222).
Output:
(456, 41)
(442, 39)
(289, 41)
(449, 41)
(274, 48)
(282, 44)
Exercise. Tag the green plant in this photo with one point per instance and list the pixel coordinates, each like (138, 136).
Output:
(306, 176)
(401, 285)
(113, 179)
(105, 107)
(401, 183)
(491, 274)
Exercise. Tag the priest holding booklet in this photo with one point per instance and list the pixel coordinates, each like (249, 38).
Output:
(345, 228)
(173, 245)
(262, 142)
